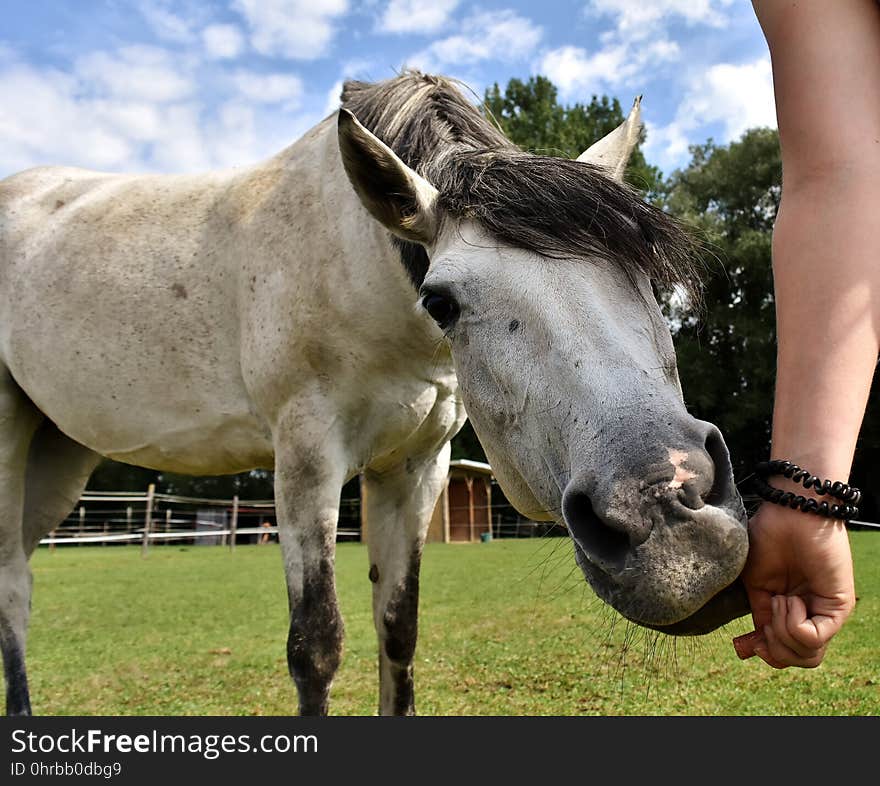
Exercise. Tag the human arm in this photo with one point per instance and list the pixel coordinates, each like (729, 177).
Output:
(826, 268)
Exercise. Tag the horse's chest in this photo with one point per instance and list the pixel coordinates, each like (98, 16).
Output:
(404, 420)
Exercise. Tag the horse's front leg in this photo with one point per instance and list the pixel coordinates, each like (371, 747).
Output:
(18, 422)
(399, 505)
(308, 483)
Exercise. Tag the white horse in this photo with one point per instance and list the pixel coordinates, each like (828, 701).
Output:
(332, 311)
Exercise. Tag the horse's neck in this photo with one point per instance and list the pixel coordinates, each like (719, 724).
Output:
(371, 292)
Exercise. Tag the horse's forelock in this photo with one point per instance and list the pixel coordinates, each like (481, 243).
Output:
(555, 207)
(420, 117)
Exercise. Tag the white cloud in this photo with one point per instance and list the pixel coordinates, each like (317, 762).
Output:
(631, 51)
(333, 98)
(166, 24)
(292, 29)
(360, 68)
(133, 121)
(42, 122)
(487, 35)
(137, 109)
(134, 72)
(416, 16)
(222, 41)
(269, 88)
(578, 72)
(181, 143)
(572, 68)
(736, 97)
(234, 133)
(357, 68)
(636, 49)
(636, 19)
(666, 146)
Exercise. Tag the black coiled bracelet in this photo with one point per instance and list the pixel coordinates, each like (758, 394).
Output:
(844, 493)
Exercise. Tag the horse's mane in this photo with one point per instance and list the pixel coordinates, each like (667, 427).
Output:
(555, 207)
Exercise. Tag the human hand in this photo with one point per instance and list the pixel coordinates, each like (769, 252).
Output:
(799, 579)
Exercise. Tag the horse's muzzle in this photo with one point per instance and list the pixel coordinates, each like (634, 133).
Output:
(665, 545)
(729, 604)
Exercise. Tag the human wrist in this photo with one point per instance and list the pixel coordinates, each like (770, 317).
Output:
(797, 488)
(833, 463)
(816, 421)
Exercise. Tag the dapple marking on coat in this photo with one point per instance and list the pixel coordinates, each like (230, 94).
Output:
(280, 316)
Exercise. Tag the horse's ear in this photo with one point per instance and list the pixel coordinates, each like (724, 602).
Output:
(612, 152)
(395, 195)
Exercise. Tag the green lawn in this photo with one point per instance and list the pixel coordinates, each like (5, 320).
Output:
(507, 627)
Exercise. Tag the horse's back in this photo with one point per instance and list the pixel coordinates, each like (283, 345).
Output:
(31, 202)
(123, 289)
(28, 199)
(61, 213)
(33, 185)
(74, 240)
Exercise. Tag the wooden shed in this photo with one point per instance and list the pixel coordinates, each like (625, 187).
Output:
(464, 511)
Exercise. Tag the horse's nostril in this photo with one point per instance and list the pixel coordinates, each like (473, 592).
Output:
(603, 544)
(722, 481)
(703, 477)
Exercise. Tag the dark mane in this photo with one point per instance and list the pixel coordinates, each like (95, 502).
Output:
(551, 206)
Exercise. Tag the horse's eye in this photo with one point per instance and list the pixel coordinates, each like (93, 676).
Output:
(442, 308)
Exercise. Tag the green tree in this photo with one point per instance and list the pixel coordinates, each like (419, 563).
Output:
(727, 350)
(256, 484)
(116, 476)
(465, 444)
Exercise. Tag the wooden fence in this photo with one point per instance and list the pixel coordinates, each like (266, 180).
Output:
(108, 518)
(116, 518)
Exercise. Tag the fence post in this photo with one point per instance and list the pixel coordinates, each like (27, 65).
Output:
(82, 519)
(445, 500)
(233, 526)
(148, 519)
(167, 519)
(365, 528)
(128, 516)
(469, 482)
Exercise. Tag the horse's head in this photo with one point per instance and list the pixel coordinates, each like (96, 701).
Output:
(540, 280)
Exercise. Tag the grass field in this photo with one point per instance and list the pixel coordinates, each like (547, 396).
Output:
(507, 628)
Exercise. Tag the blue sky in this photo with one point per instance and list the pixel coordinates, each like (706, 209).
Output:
(156, 85)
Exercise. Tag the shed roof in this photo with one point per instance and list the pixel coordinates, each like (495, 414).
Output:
(471, 467)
